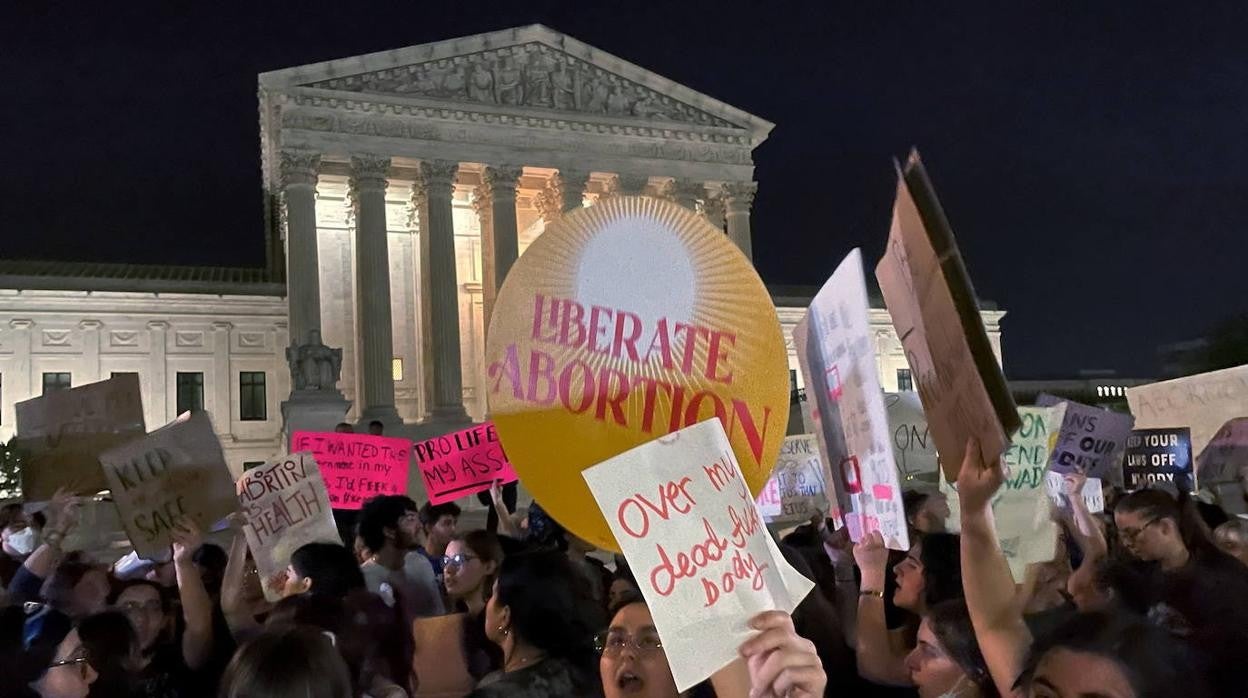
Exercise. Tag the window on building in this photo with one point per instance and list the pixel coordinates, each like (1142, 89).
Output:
(121, 374)
(252, 404)
(53, 382)
(904, 381)
(396, 368)
(249, 464)
(190, 391)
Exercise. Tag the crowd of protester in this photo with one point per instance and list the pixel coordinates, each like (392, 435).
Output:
(1149, 598)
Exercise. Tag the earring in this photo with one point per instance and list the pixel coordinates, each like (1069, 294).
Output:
(504, 631)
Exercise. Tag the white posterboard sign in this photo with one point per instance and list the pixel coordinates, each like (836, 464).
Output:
(287, 507)
(695, 539)
(1202, 403)
(795, 491)
(1093, 492)
(1025, 529)
(841, 373)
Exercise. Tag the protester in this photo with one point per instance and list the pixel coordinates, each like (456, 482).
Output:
(287, 662)
(344, 428)
(500, 501)
(323, 568)
(112, 648)
(439, 522)
(50, 664)
(926, 512)
(376, 428)
(1232, 538)
(243, 603)
(533, 617)
(17, 541)
(947, 660)
(398, 572)
(633, 662)
(471, 563)
(927, 575)
(80, 588)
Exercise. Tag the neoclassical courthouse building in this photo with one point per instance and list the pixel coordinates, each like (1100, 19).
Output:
(402, 187)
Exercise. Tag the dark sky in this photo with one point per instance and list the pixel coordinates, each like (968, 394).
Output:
(1093, 162)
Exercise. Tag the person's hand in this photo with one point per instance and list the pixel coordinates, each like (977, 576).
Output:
(187, 538)
(63, 511)
(237, 520)
(872, 559)
(496, 493)
(978, 481)
(781, 664)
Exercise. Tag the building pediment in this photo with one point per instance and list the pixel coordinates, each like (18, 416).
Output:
(532, 70)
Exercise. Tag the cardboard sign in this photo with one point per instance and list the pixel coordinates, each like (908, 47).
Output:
(684, 515)
(176, 471)
(914, 449)
(357, 467)
(64, 432)
(1203, 403)
(1226, 455)
(1157, 456)
(1091, 440)
(824, 417)
(795, 491)
(463, 463)
(1093, 493)
(1025, 530)
(623, 322)
(287, 507)
(936, 315)
(843, 372)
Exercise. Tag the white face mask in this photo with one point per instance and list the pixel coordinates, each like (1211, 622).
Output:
(21, 543)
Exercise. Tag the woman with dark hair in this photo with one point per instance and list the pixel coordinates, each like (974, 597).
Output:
(50, 664)
(327, 569)
(926, 512)
(113, 651)
(288, 662)
(947, 661)
(533, 616)
(929, 574)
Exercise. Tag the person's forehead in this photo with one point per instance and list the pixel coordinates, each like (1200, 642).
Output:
(138, 592)
(633, 617)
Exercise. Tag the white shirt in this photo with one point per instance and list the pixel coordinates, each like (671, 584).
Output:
(414, 588)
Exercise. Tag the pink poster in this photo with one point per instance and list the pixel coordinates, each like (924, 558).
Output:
(463, 463)
(357, 467)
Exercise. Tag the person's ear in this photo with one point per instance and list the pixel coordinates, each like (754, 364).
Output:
(491, 568)
(299, 585)
(390, 532)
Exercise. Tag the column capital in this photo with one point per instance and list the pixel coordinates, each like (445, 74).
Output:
(686, 192)
(571, 185)
(299, 167)
(712, 207)
(438, 176)
(369, 171)
(90, 325)
(626, 184)
(21, 324)
(739, 196)
(500, 181)
(548, 204)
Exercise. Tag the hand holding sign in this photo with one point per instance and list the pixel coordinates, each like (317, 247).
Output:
(683, 514)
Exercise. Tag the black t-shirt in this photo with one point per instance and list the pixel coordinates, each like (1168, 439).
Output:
(165, 676)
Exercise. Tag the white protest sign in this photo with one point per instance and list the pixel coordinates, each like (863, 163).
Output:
(914, 449)
(1093, 493)
(818, 410)
(842, 372)
(176, 471)
(795, 491)
(1202, 402)
(683, 515)
(1025, 530)
(287, 507)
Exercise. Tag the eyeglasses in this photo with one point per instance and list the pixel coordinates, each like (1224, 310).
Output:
(78, 660)
(1128, 535)
(457, 560)
(613, 642)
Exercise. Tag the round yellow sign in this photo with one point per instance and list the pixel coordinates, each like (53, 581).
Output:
(622, 322)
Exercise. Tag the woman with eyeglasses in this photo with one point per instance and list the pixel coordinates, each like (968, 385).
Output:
(49, 661)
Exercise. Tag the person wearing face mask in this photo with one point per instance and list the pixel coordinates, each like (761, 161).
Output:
(946, 661)
(18, 539)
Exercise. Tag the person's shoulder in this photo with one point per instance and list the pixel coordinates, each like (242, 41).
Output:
(417, 564)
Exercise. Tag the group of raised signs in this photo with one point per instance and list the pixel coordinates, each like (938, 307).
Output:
(638, 380)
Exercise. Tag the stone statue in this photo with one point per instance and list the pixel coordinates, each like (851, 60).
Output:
(564, 85)
(314, 366)
(618, 103)
(537, 73)
(507, 83)
(597, 93)
(481, 85)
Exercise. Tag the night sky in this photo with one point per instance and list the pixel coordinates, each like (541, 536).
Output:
(1093, 163)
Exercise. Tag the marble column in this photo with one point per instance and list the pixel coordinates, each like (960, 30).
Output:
(738, 198)
(448, 391)
(418, 223)
(372, 288)
(303, 276)
(20, 382)
(499, 234)
(628, 185)
(712, 208)
(90, 350)
(157, 403)
(218, 404)
(685, 192)
(572, 189)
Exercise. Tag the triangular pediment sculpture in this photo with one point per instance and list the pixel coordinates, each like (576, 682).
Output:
(525, 68)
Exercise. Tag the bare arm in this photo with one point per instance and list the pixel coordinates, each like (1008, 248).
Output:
(237, 615)
(196, 604)
(878, 660)
(63, 512)
(1003, 638)
(506, 524)
(1086, 530)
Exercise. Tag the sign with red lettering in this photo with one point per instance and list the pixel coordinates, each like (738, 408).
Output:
(625, 321)
(683, 513)
(936, 314)
(287, 507)
(357, 467)
(463, 463)
(795, 491)
(176, 471)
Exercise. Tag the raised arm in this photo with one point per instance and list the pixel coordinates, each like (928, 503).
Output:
(233, 604)
(196, 604)
(878, 660)
(986, 579)
(506, 524)
(1086, 530)
(63, 513)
